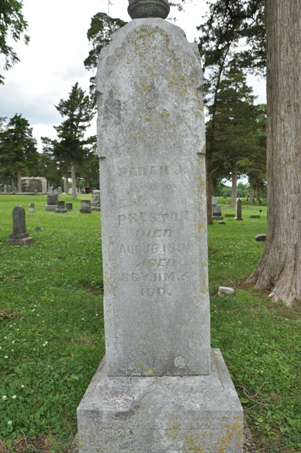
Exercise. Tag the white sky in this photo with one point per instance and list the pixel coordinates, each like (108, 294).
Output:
(53, 61)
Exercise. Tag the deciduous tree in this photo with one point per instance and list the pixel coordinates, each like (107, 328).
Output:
(12, 24)
(280, 265)
(99, 36)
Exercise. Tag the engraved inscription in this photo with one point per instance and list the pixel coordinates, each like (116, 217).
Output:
(162, 262)
(151, 217)
(143, 171)
(158, 170)
(153, 277)
(156, 248)
(154, 265)
(153, 233)
(126, 202)
(155, 292)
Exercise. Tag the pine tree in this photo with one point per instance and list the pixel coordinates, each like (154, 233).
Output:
(18, 149)
(71, 147)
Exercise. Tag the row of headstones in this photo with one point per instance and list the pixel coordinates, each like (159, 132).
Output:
(53, 204)
(62, 207)
(19, 235)
(217, 211)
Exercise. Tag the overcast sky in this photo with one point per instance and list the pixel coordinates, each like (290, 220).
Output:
(53, 61)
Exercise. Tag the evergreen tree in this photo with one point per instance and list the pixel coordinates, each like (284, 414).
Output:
(49, 167)
(18, 149)
(71, 147)
(234, 118)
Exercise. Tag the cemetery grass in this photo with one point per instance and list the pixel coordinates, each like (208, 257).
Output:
(52, 333)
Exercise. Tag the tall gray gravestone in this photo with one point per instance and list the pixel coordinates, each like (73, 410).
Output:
(19, 235)
(160, 388)
(238, 209)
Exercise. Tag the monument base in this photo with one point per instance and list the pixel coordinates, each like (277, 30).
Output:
(60, 211)
(21, 241)
(50, 207)
(161, 414)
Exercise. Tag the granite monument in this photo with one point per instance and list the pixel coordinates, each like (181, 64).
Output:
(160, 387)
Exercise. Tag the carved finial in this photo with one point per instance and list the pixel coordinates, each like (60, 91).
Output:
(139, 9)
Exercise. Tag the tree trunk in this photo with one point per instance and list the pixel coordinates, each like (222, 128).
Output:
(251, 182)
(214, 187)
(73, 177)
(209, 188)
(66, 185)
(280, 265)
(19, 181)
(234, 185)
(211, 138)
(257, 191)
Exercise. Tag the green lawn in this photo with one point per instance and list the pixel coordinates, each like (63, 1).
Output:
(52, 337)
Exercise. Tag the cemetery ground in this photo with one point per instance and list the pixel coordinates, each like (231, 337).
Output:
(52, 332)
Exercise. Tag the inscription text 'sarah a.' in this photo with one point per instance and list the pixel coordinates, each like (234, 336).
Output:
(151, 149)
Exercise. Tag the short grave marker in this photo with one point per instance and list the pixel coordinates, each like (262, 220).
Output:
(19, 235)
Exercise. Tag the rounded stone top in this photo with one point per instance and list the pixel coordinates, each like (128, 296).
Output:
(140, 9)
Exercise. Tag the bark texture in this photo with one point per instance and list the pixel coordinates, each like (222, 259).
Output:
(234, 185)
(73, 178)
(251, 182)
(209, 187)
(280, 265)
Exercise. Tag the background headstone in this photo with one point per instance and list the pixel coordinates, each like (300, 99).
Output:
(69, 206)
(216, 210)
(31, 209)
(19, 235)
(85, 206)
(238, 209)
(52, 200)
(34, 184)
(260, 237)
(95, 202)
(60, 207)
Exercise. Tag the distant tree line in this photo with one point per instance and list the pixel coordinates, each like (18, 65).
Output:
(71, 155)
(237, 36)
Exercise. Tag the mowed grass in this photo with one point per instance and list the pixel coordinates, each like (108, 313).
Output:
(51, 320)
(52, 332)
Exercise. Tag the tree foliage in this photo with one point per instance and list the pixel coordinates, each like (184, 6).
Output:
(12, 24)
(237, 131)
(228, 25)
(99, 36)
(72, 147)
(18, 149)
